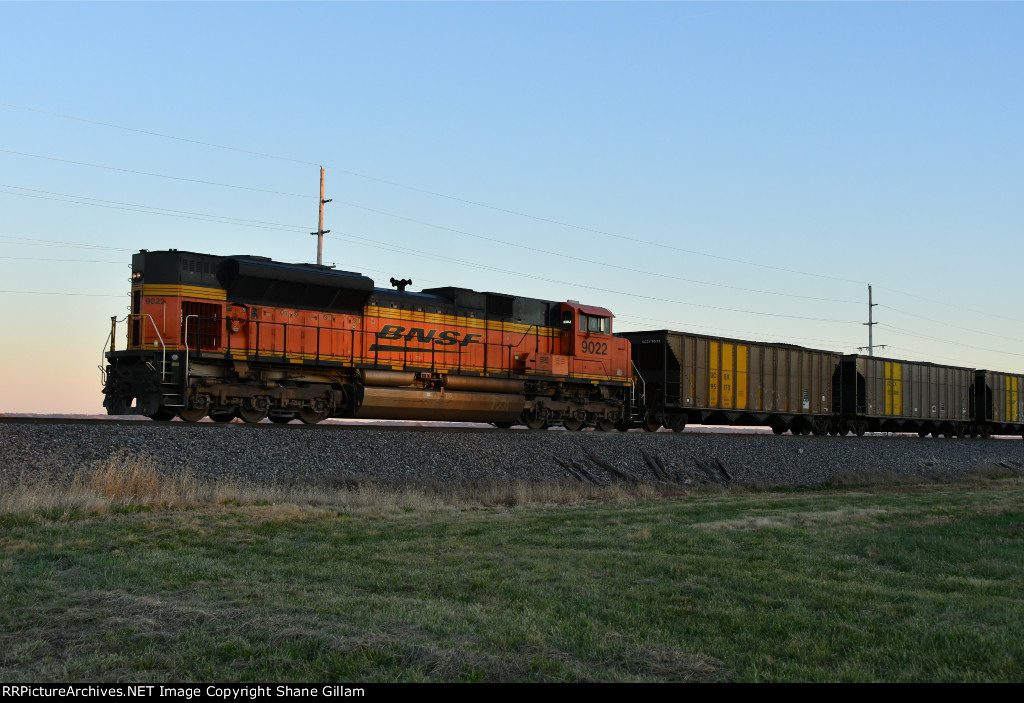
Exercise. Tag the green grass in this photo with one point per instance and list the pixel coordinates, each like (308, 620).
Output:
(855, 584)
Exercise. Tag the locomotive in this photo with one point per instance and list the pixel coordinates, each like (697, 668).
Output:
(252, 338)
(248, 337)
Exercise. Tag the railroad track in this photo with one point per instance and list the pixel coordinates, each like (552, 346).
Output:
(294, 426)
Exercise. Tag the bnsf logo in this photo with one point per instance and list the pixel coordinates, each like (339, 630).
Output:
(446, 338)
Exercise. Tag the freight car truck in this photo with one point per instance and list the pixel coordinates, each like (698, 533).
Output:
(683, 378)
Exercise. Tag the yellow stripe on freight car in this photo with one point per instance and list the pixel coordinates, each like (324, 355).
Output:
(713, 374)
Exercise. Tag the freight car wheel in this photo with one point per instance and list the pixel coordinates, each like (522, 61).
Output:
(192, 414)
(922, 433)
(312, 417)
(572, 424)
(651, 421)
(605, 425)
(985, 431)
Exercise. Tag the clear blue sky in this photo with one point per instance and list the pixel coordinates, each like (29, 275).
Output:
(736, 169)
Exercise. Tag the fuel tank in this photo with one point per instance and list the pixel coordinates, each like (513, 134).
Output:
(383, 403)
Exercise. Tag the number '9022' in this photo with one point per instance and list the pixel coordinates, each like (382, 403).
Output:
(592, 347)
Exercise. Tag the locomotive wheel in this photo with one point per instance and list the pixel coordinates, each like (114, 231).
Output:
(162, 415)
(605, 425)
(192, 414)
(222, 416)
(312, 417)
(651, 422)
(572, 424)
(281, 419)
(252, 416)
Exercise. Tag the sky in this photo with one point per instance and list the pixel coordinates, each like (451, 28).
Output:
(744, 170)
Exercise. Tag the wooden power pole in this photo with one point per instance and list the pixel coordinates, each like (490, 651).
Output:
(320, 231)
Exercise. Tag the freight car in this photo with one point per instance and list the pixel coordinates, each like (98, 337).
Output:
(687, 378)
(890, 395)
(997, 401)
(248, 337)
(684, 378)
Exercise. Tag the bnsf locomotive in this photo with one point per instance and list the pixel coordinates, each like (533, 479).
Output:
(247, 337)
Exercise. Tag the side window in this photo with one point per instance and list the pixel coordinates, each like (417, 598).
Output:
(583, 322)
(595, 324)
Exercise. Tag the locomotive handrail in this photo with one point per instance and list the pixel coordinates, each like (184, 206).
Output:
(103, 354)
(163, 347)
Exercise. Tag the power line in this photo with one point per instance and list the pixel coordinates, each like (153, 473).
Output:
(423, 254)
(515, 245)
(951, 305)
(148, 209)
(158, 134)
(43, 292)
(717, 331)
(73, 261)
(900, 330)
(434, 193)
(519, 246)
(31, 241)
(947, 324)
(635, 240)
(157, 175)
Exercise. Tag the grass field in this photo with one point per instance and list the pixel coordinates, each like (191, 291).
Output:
(124, 576)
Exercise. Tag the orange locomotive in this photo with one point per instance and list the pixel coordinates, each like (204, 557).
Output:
(244, 336)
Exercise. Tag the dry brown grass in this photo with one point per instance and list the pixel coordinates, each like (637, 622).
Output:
(127, 482)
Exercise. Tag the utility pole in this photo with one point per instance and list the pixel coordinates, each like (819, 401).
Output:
(320, 231)
(870, 323)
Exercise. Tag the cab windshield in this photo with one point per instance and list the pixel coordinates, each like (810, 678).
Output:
(595, 324)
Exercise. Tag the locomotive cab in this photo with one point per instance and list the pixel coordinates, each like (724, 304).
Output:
(586, 332)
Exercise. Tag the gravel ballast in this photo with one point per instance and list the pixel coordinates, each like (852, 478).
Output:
(274, 454)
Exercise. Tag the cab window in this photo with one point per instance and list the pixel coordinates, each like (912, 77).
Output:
(595, 324)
